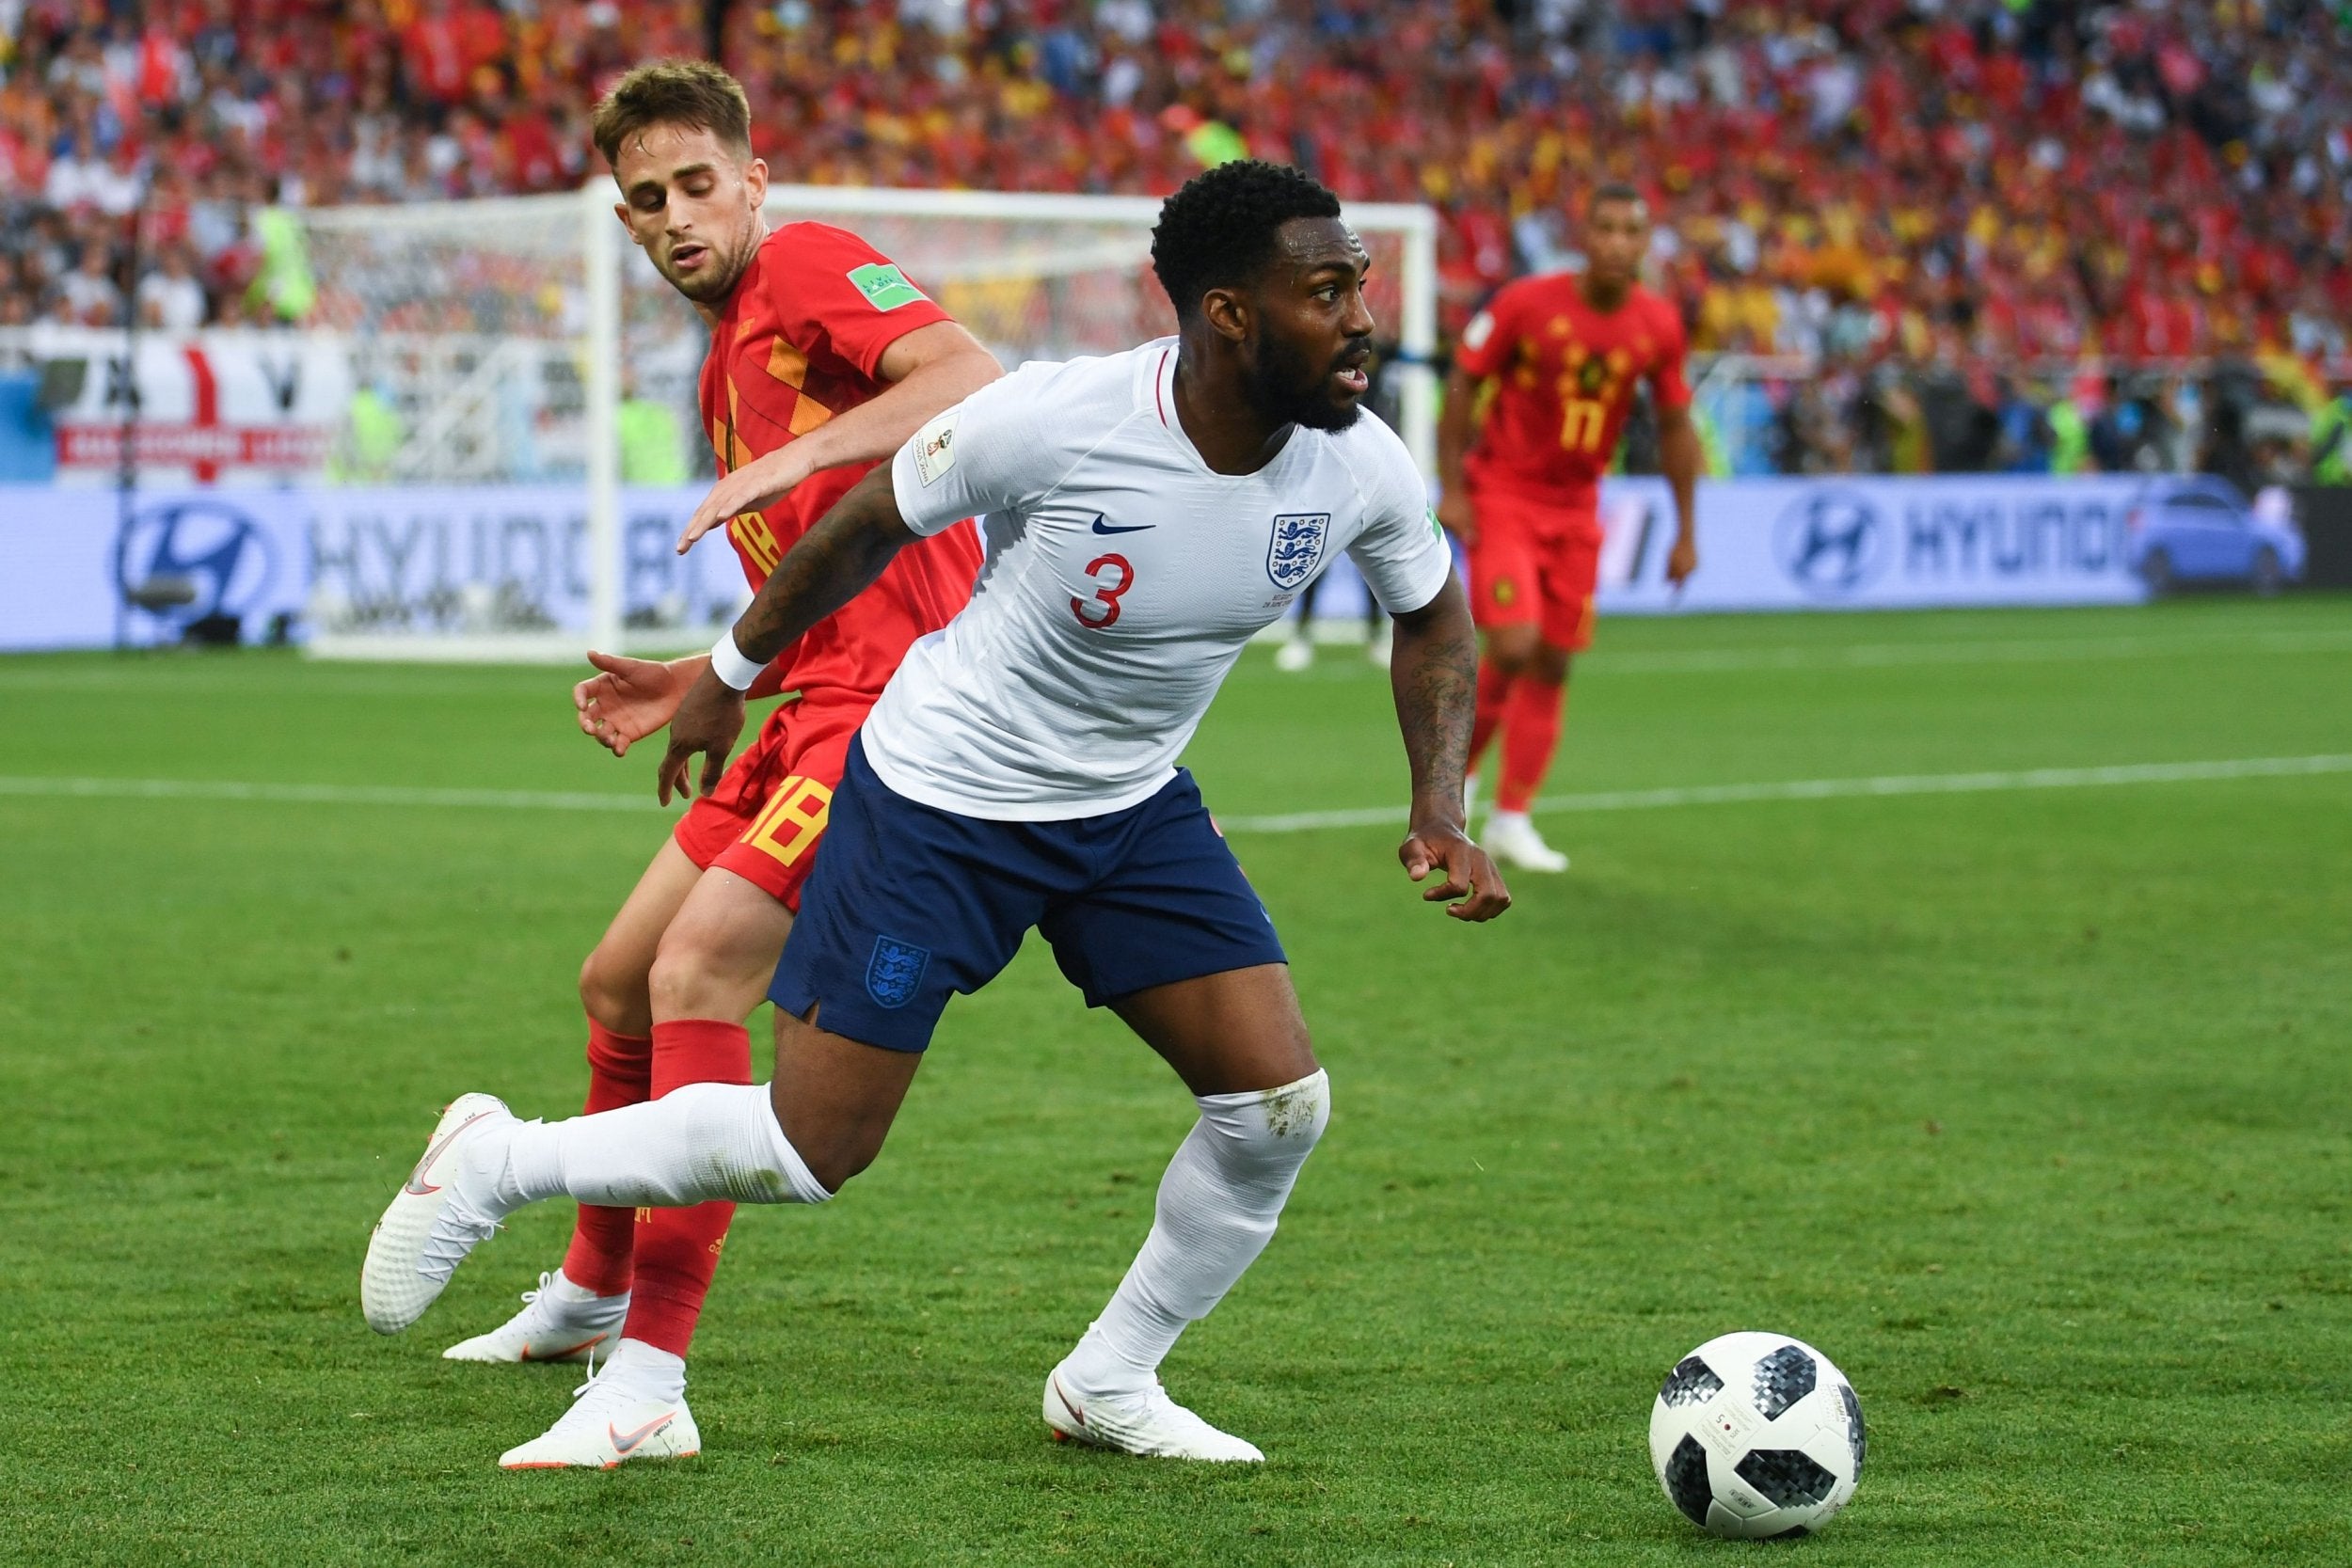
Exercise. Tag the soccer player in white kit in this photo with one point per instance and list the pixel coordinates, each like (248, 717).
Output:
(1146, 514)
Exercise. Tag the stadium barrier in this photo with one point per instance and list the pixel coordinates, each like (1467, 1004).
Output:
(503, 568)
(1852, 542)
(490, 570)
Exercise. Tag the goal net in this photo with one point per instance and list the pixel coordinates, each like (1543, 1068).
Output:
(523, 445)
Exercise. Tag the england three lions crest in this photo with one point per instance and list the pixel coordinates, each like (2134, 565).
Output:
(894, 971)
(1296, 549)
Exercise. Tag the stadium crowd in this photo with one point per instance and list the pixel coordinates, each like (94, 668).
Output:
(1952, 233)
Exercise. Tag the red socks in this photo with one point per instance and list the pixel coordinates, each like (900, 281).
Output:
(1530, 733)
(620, 1072)
(678, 1249)
(1494, 692)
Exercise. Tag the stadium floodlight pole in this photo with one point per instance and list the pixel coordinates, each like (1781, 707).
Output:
(602, 387)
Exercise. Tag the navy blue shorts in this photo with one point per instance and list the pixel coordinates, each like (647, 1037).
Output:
(907, 904)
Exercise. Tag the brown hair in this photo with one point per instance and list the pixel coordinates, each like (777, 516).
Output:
(692, 93)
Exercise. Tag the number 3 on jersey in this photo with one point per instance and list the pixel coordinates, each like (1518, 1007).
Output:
(1112, 576)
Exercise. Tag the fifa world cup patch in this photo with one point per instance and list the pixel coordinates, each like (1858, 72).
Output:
(894, 971)
(935, 447)
(885, 286)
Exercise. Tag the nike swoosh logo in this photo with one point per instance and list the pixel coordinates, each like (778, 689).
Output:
(1070, 1404)
(1101, 527)
(417, 1184)
(623, 1445)
(569, 1350)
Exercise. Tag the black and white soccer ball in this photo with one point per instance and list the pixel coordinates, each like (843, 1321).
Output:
(1756, 1435)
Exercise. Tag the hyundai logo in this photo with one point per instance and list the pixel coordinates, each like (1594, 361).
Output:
(1829, 543)
(209, 545)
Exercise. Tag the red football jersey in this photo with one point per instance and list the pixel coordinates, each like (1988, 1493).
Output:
(801, 342)
(1561, 377)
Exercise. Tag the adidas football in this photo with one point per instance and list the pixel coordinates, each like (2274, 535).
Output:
(1756, 1435)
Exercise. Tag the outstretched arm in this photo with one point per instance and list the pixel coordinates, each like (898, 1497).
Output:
(1434, 674)
(830, 566)
(932, 368)
(1680, 456)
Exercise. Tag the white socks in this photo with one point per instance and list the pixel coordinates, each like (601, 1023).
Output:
(1217, 1210)
(1218, 1206)
(1502, 819)
(647, 1372)
(696, 1143)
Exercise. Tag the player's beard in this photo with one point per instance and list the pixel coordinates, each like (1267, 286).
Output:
(718, 279)
(1287, 388)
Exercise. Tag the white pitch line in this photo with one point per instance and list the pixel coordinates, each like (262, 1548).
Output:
(1832, 789)
(1293, 822)
(1870, 655)
(326, 794)
(1766, 658)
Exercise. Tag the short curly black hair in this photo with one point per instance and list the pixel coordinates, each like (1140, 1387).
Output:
(1218, 230)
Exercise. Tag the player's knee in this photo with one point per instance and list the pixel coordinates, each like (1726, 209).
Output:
(1274, 1128)
(834, 1151)
(714, 962)
(835, 1164)
(694, 976)
(1549, 665)
(1511, 649)
(613, 992)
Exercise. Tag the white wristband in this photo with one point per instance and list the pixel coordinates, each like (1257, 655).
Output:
(728, 663)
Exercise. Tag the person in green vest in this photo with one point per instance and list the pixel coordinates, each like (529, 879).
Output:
(2331, 439)
(283, 288)
(372, 437)
(2070, 437)
(653, 440)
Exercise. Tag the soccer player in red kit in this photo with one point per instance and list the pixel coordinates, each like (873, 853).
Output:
(1542, 383)
(824, 358)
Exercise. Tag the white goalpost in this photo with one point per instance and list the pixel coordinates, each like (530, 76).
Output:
(508, 354)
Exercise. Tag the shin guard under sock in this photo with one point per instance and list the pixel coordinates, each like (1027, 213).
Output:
(1530, 733)
(1494, 694)
(678, 1249)
(1217, 1209)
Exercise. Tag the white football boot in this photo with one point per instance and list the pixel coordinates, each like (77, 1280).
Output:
(615, 1417)
(1296, 654)
(1512, 839)
(1149, 1423)
(431, 1226)
(559, 1322)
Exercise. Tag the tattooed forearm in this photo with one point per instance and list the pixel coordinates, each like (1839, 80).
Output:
(1433, 675)
(826, 568)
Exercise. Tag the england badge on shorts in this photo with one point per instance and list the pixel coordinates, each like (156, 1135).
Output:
(1297, 547)
(894, 971)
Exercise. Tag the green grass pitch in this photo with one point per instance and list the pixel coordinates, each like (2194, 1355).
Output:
(2030, 1107)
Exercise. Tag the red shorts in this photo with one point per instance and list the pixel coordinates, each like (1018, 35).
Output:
(1535, 561)
(764, 820)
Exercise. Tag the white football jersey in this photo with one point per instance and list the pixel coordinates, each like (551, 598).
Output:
(1124, 578)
